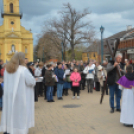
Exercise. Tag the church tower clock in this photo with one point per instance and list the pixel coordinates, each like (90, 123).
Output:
(14, 37)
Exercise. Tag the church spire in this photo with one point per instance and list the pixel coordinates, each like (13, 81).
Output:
(11, 8)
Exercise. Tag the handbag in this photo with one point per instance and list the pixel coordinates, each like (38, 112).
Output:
(56, 79)
(67, 79)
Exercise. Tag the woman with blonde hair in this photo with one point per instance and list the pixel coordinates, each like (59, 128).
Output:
(18, 99)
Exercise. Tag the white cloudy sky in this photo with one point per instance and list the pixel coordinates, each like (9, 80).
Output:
(114, 15)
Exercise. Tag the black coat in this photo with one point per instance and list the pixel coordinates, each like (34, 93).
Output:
(49, 80)
(43, 71)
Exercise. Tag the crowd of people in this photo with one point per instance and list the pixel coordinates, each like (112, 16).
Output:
(24, 82)
(61, 76)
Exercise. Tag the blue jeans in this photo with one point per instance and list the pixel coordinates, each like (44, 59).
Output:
(1, 102)
(50, 93)
(114, 89)
(59, 90)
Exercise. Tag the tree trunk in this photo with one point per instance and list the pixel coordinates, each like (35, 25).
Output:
(72, 53)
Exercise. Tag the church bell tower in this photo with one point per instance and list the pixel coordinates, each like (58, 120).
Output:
(11, 15)
(14, 37)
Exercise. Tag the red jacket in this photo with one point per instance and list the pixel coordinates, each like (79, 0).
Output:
(2, 71)
(75, 78)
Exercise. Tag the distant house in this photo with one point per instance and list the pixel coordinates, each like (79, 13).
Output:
(126, 43)
(126, 46)
(92, 52)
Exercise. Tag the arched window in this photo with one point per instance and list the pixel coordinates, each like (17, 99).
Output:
(11, 7)
(25, 50)
(13, 48)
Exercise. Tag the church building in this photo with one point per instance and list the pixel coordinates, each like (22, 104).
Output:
(13, 36)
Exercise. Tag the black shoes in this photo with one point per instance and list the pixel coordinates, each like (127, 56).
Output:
(112, 110)
(51, 101)
(126, 125)
(60, 98)
(118, 110)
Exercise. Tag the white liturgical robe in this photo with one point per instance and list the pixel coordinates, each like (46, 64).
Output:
(127, 107)
(18, 102)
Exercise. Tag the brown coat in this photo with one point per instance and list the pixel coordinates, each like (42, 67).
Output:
(49, 80)
(99, 75)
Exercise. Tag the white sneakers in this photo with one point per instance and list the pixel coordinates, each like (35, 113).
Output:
(73, 97)
(78, 97)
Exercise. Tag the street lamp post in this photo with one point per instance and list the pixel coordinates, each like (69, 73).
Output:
(102, 30)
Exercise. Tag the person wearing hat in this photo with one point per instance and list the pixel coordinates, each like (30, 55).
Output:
(30, 66)
(59, 73)
(102, 75)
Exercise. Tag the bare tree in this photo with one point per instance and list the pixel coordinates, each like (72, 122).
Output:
(70, 30)
(47, 48)
(75, 30)
(56, 28)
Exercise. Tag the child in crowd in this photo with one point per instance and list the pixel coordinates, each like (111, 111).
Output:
(75, 78)
(1, 91)
(126, 84)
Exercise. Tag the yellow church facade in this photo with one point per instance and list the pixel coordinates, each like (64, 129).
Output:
(14, 37)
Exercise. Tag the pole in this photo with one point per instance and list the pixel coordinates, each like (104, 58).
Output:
(101, 47)
(43, 54)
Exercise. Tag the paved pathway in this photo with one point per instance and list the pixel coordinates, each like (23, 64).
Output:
(89, 118)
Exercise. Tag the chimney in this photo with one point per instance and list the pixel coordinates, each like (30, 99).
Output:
(129, 27)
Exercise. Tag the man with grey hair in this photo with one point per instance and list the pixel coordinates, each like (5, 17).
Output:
(104, 64)
(112, 78)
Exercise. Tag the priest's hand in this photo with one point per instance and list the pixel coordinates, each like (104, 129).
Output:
(116, 64)
(36, 79)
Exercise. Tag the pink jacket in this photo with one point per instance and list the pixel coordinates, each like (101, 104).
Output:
(75, 76)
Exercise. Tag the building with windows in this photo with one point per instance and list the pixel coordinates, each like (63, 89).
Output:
(92, 52)
(126, 46)
(13, 36)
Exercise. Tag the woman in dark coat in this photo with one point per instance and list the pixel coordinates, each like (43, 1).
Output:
(83, 80)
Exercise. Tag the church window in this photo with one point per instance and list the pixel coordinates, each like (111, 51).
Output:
(13, 48)
(11, 7)
(25, 50)
(12, 23)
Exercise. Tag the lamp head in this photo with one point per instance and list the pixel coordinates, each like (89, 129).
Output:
(101, 29)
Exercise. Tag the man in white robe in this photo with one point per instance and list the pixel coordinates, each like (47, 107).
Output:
(18, 102)
(127, 107)
(126, 84)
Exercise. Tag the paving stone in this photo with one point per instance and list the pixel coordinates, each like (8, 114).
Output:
(89, 118)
